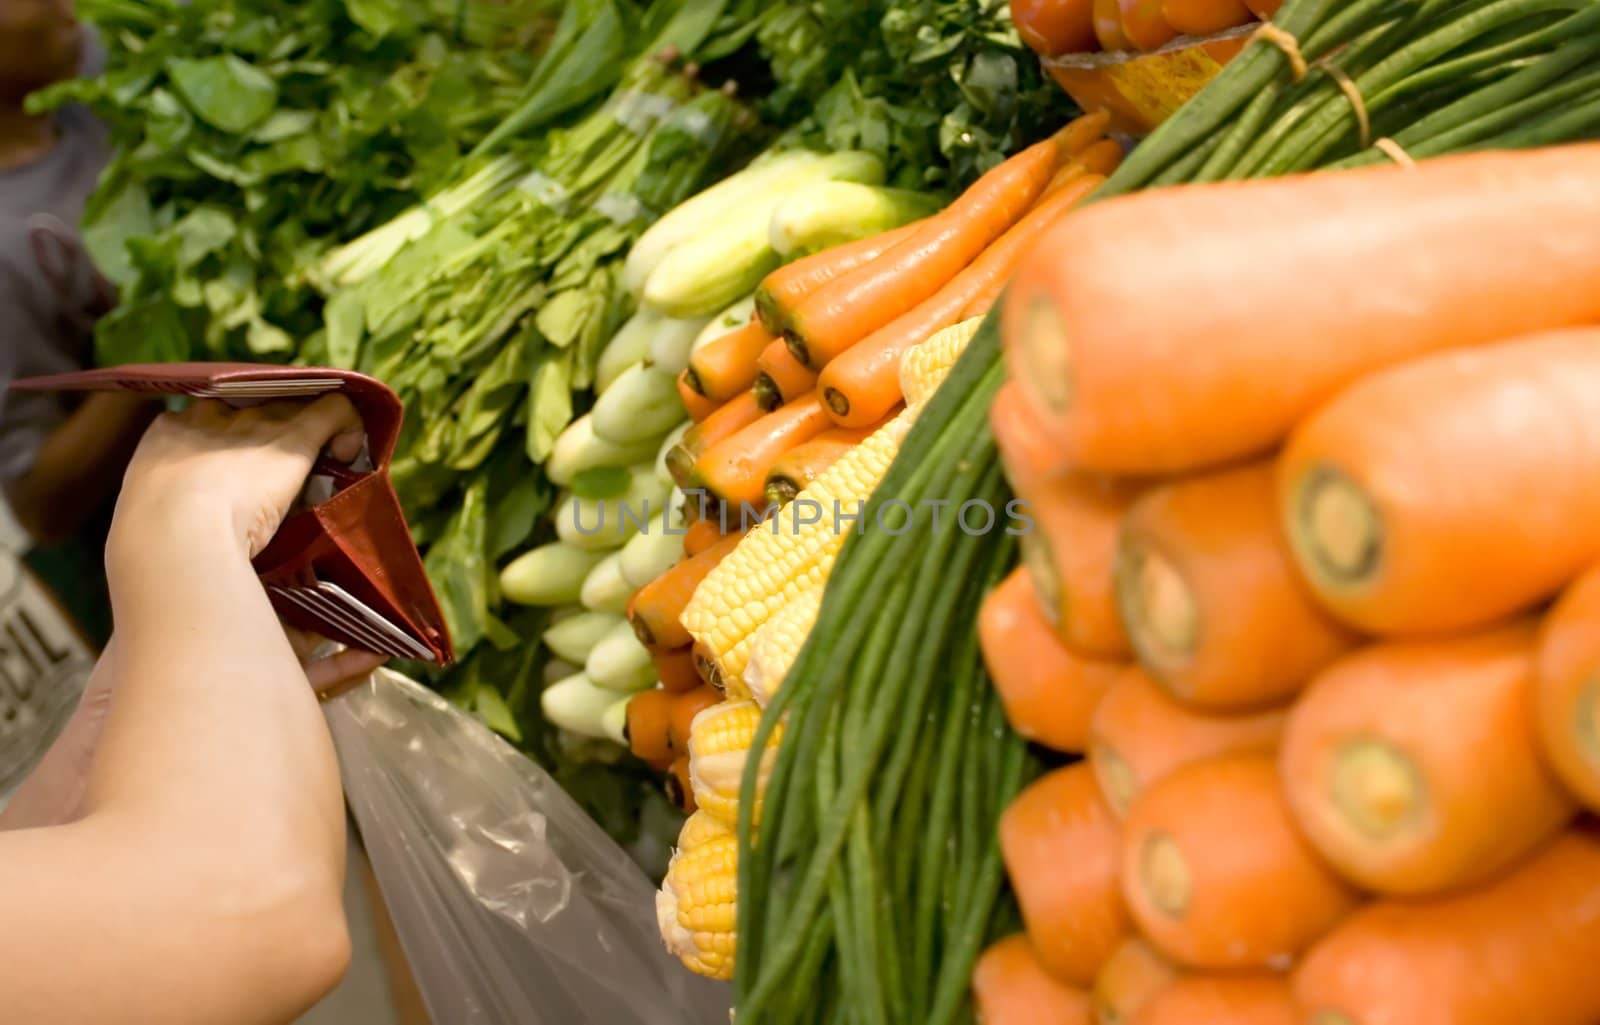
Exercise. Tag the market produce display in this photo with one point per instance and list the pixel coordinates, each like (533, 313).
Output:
(1059, 579)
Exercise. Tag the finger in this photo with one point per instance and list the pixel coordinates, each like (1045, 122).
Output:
(321, 421)
(347, 446)
(342, 667)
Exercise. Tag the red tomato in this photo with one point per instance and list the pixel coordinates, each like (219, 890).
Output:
(1054, 27)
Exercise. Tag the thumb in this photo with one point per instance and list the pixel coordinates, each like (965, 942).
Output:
(329, 417)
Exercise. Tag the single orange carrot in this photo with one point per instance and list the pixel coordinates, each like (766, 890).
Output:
(1210, 596)
(1108, 26)
(1109, 300)
(732, 417)
(723, 368)
(649, 726)
(675, 669)
(702, 534)
(1062, 845)
(793, 471)
(1412, 766)
(735, 469)
(1049, 692)
(1139, 735)
(1133, 974)
(788, 286)
(780, 378)
(1011, 987)
(698, 406)
(862, 383)
(1217, 876)
(1567, 694)
(655, 609)
(1204, 17)
(1070, 552)
(679, 787)
(852, 306)
(1144, 24)
(1252, 998)
(1025, 452)
(1453, 490)
(685, 707)
(1518, 949)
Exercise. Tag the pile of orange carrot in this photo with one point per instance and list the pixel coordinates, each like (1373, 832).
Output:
(819, 363)
(1314, 591)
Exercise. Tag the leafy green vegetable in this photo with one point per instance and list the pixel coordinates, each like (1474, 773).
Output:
(254, 135)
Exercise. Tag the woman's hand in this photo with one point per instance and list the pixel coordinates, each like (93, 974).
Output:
(211, 467)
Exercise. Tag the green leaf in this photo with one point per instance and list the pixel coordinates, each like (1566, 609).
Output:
(549, 405)
(601, 482)
(225, 92)
(284, 124)
(142, 331)
(516, 513)
(125, 214)
(494, 711)
(381, 17)
(201, 232)
(345, 315)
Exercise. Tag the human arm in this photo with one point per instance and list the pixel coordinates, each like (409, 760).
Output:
(203, 881)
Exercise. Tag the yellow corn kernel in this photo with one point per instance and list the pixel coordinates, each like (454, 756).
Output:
(780, 560)
(696, 907)
(719, 743)
(775, 646)
(924, 368)
(700, 829)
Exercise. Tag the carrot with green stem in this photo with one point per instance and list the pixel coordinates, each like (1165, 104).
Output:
(654, 611)
(1111, 296)
(723, 368)
(1210, 596)
(1062, 846)
(1139, 735)
(1412, 766)
(1216, 874)
(852, 306)
(735, 469)
(862, 383)
(780, 377)
(1049, 692)
(1133, 974)
(1567, 694)
(1518, 949)
(785, 288)
(1246, 998)
(730, 418)
(1070, 551)
(794, 471)
(1451, 491)
(1011, 987)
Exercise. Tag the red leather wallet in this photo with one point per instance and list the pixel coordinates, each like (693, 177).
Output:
(345, 567)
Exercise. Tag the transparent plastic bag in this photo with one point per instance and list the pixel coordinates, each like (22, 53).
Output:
(513, 906)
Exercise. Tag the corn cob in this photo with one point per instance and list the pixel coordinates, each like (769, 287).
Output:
(695, 907)
(719, 743)
(779, 561)
(925, 366)
(775, 645)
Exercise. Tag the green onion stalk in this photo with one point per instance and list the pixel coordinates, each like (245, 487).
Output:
(876, 877)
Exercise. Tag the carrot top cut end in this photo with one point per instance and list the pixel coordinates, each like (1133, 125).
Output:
(1038, 559)
(1377, 791)
(1117, 781)
(1043, 347)
(1336, 529)
(797, 347)
(836, 401)
(1164, 875)
(768, 396)
(1158, 605)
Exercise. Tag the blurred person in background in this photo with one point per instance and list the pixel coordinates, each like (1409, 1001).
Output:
(60, 459)
(178, 855)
